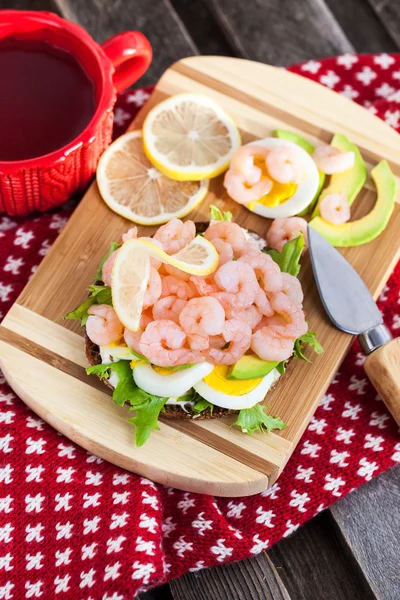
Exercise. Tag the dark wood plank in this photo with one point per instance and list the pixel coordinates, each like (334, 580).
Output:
(369, 520)
(160, 593)
(389, 13)
(156, 19)
(202, 27)
(245, 580)
(28, 4)
(362, 26)
(315, 563)
(281, 32)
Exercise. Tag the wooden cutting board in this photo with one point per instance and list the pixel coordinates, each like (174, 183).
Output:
(42, 356)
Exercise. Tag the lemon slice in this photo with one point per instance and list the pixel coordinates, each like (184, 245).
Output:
(129, 279)
(133, 188)
(131, 271)
(189, 137)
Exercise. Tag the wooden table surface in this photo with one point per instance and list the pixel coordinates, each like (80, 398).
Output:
(351, 551)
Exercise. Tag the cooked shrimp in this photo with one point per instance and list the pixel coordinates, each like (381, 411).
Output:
(285, 164)
(202, 316)
(283, 230)
(132, 339)
(294, 324)
(175, 272)
(335, 208)
(168, 308)
(228, 301)
(154, 288)
(331, 160)
(103, 326)
(131, 234)
(225, 251)
(263, 304)
(162, 343)
(107, 267)
(243, 161)
(229, 232)
(238, 278)
(204, 285)
(269, 345)
(267, 271)
(238, 334)
(175, 235)
(146, 318)
(238, 190)
(262, 323)
(171, 286)
(216, 341)
(250, 315)
(292, 288)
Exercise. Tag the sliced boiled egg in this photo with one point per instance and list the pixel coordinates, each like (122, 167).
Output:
(167, 382)
(234, 394)
(288, 199)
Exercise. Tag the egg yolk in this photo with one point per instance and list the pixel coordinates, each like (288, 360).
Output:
(280, 192)
(218, 381)
(119, 343)
(164, 371)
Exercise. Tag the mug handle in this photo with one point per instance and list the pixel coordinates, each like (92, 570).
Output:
(130, 53)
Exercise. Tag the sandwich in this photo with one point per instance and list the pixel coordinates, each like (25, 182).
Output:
(197, 322)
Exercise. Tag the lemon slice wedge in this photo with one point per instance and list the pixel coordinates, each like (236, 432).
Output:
(133, 188)
(190, 137)
(131, 272)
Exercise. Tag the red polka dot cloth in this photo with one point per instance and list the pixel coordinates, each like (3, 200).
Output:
(74, 526)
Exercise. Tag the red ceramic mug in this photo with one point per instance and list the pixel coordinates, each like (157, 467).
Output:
(45, 181)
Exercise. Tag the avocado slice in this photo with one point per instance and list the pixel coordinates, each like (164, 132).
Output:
(251, 367)
(309, 148)
(355, 233)
(349, 182)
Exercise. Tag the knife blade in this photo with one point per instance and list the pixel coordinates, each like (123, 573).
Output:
(346, 298)
(352, 309)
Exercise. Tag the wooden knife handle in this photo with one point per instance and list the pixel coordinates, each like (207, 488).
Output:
(383, 369)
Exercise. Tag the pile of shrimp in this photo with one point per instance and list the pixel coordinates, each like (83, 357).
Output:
(245, 182)
(246, 305)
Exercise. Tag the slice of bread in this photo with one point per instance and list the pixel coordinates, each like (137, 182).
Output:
(173, 411)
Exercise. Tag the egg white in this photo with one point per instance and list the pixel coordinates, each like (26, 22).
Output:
(174, 385)
(237, 402)
(305, 191)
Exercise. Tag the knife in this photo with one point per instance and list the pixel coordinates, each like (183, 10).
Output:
(351, 308)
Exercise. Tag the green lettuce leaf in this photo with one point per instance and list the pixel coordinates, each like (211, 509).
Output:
(113, 246)
(186, 398)
(81, 311)
(217, 215)
(146, 418)
(255, 418)
(309, 338)
(147, 407)
(202, 404)
(281, 367)
(102, 294)
(126, 389)
(289, 257)
(98, 294)
(103, 370)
